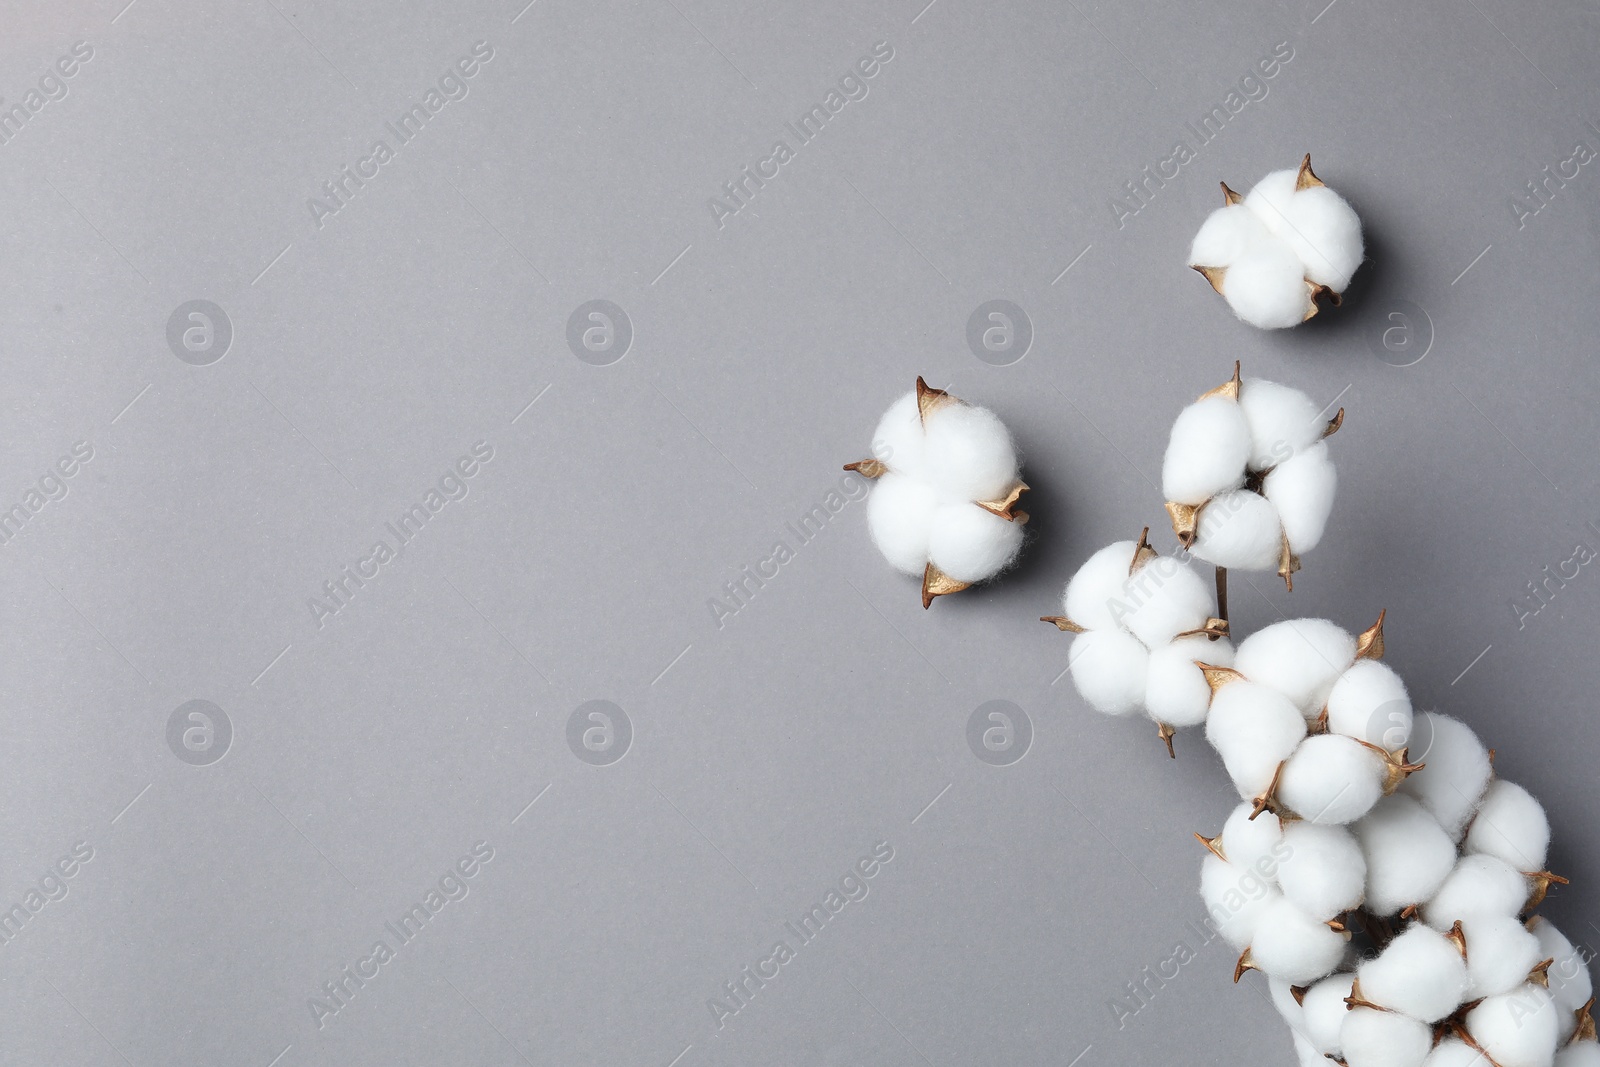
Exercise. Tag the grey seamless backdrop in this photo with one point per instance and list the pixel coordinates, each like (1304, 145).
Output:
(426, 339)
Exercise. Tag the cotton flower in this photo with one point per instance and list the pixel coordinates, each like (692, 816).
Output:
(1272, 253)
(1408, 854)
(1247, 477)
(1421, 973)
(1143, 623)
(1455, 774)
(944, 504)
(1516, 1029)
(1373, 1038)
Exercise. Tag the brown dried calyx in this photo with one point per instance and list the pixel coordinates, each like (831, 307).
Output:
(1217, 276)
(936, 583)
(1185, 518)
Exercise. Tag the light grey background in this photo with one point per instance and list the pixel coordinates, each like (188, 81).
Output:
(830, 712)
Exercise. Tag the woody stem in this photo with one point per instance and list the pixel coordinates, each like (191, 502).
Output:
(1222, 593)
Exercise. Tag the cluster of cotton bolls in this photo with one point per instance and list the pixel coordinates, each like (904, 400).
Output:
(943, 506)
(1144, 623)
(1247, 477)
(1272, 253)
(1437, 863)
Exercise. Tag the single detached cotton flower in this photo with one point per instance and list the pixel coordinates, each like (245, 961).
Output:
(944, 504)
(1144, 624)
(1247, 477)
(1273, 253)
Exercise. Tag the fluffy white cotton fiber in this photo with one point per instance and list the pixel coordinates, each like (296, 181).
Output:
(1454, 1052)
(939, 464)
(1501, 952)
(1108, 667)
(1301, 488)
(1570, 982)
(1239, 529)
(1176, 691)
(1408, 854)
(1456, 771)
(1372, 1038)
(1207, 451)
(1325, 1010)
(1581, 1054)
(1323, 871)
(1263, 254)
(1162, 599)
(1300, 658)
(1420, 973)
(1283, 422)
(1332, 779)
(1291, 945)
(1096, 585)
(971, 544)
(1252, 843)
(1369, 703)
(1253, 729)
(1511, 826)
(969, 454)
(1266, 286)
(1516, 1029)
(1235, 897)
(1324, 232)
(900, 514)
(1479, 885)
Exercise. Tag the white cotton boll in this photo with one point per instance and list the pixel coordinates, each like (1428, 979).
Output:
(1162, 599)
(1206, 452)
(1224, 236)
(1235, 897)
(1108, 667)
(1456, 772)
(1420, 973)
(1323, 871)
(1283, 421)
(1325, 232)
(1454, 1052)
(1500, 954)
(898, 442)
(1255, 843)
(1570, 982)
(971, 544)
(1291, 945)
(1511, 826)
(1283, 999)
(1479, 885)
(1176, 691)
(1305, 1052)
(1581, 1054)
(1372, 1038)
(1266, 286)
(1332, 779)
(1325, 1009)
(969, 453)
(1269, 200)
(1516, 1029)
(1369, 702)
(1253, 729)
(899, 514)
(1239, 529)
(1302, 489)
(1097, 584)
(1408, 854)
(1300, 658)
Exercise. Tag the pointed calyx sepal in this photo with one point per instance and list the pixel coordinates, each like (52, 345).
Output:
(1542, 881)
(1307, 178)
(1166, 732)
(1006, 506)
(1229, 388)
(1185, 522)
(1217, 677)
(1246, 963)
(1213, 845)
(867, 468)
(930, 400)
(1142, 552)
(1369, 645)
(1586, 1030)
(1229, 196)
(1333, 424)
(1065, 624)
(936, 583)
(1214, 275)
